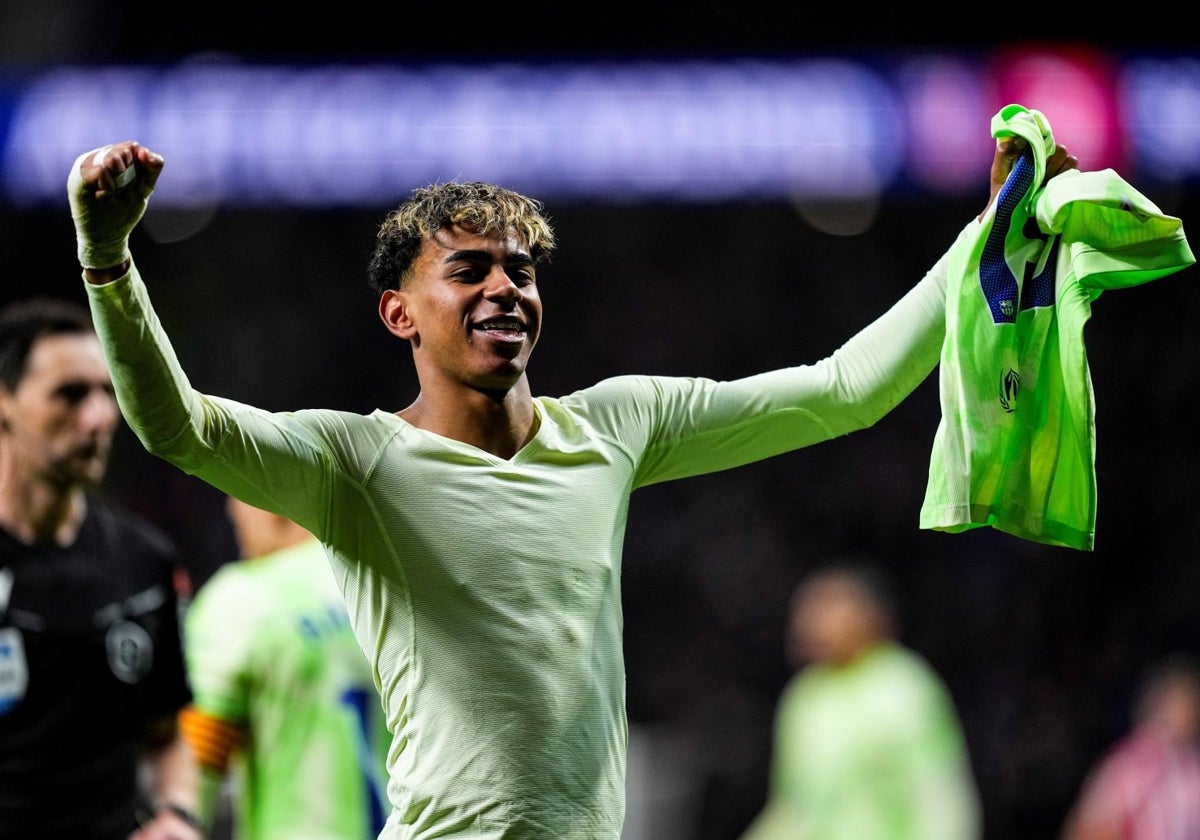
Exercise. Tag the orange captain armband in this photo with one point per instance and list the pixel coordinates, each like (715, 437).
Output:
(212, 739)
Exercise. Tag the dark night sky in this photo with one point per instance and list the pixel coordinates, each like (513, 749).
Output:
(44, 31)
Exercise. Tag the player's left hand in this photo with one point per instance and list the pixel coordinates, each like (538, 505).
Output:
(1009, 149)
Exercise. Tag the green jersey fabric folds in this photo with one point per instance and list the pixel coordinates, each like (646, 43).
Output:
(1016, 446)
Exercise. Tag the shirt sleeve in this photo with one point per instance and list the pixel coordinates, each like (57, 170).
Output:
(169, 687)
(680, 426)
(279, 461)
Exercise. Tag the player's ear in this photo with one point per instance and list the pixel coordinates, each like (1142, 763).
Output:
(396, 313)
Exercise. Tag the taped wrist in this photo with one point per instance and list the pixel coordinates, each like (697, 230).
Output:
(103, 225)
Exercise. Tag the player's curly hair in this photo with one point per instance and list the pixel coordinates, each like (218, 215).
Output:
(477, 206)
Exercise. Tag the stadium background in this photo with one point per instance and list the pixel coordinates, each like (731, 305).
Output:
(1040, 646)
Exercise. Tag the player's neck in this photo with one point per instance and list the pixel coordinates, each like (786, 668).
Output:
(497, 423)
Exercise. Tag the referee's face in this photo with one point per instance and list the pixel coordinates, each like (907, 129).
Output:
(60, 420)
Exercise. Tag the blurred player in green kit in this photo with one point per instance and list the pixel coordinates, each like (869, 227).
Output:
(868, 744)
(283, 695)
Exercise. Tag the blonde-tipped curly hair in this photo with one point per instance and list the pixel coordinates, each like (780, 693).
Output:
(477, 206)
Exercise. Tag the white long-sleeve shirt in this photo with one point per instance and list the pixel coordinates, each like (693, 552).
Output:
(484, 591)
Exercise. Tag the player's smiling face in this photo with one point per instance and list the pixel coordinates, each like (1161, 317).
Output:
(470, 308)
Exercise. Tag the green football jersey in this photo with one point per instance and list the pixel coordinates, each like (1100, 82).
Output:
(270, 648)
(869, 751)
(1016, 447)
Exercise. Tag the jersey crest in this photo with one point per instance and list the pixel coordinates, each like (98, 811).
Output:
(130, 651)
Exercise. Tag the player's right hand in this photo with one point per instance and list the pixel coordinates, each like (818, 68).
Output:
(108, 189)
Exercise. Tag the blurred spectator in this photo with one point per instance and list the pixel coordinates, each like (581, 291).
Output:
(1146, 786)
(868, 744)
(284, 695)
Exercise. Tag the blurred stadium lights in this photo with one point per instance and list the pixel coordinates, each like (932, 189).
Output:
(703, 131)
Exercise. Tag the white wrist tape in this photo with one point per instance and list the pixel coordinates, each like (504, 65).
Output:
(103, 225)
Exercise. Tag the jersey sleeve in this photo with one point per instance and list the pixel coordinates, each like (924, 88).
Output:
(167, 687)
(1116, 236)
(264, 458)
(680, 426)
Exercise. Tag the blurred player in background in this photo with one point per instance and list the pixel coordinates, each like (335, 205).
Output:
(1146, 786)
(867, 744)
(283, 694)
